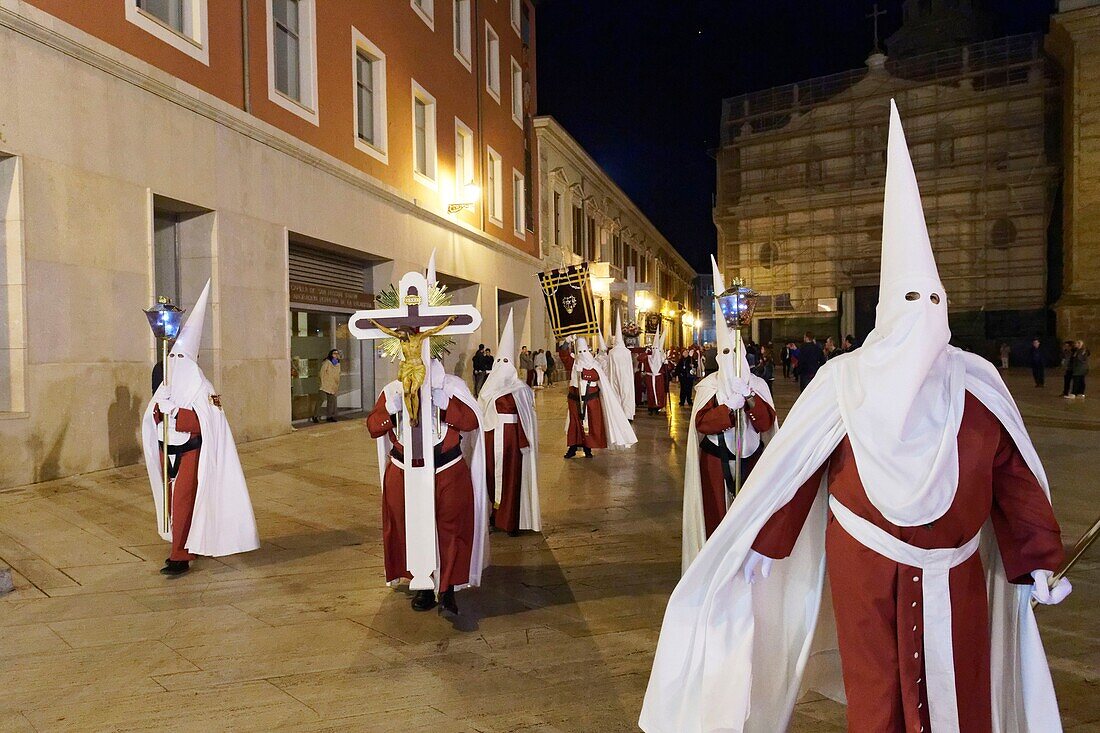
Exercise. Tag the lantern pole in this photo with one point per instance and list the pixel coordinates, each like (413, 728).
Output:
(740, 426)
(166, 495)
(164, 320)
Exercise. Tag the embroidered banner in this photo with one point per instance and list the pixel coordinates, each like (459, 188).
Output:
(569, 301)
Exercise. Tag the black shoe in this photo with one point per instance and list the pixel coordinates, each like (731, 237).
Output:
(174, 568)
(424, 600)
(514, 533)
(447, 600)
(587, 452)
(571, 452)
(314, 420)
(331, 419)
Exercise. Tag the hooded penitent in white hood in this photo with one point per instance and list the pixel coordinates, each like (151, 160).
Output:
(618, 431)
(222, 522)
(736, 657)
(621, 370)
(720, 386)
(504, 379)
(601, 354)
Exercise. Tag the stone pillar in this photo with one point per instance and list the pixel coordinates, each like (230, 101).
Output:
(1074, 40)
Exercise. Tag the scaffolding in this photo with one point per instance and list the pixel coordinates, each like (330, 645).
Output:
(800, 179)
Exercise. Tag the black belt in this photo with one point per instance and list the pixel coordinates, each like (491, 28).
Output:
(194, 443)
(442, 457)
(721, 451)
(589, 395)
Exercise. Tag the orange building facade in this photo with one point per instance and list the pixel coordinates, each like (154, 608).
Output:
(300, 154)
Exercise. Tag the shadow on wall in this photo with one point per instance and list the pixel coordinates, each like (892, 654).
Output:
(47, 464)
(123, 425)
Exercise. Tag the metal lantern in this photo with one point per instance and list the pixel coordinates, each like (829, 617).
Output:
(165, 319)
(737, 303)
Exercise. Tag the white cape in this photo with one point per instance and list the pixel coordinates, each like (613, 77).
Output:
(223, 522)
(734, 657)
(622, 378)
(530, 515)
(617, 428)
(473, 451)
(695, 528)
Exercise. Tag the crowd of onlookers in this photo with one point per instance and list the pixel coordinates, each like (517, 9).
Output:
(536, 368)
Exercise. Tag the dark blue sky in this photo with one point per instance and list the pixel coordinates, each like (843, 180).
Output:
(639, 83)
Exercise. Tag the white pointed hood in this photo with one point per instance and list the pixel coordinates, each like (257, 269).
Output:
(620, 362)
(583, 358)
(656, 353)
(901, 395)
(602, 344)
(619, 342)
(503, 377)
(727, 348)
(184, 377)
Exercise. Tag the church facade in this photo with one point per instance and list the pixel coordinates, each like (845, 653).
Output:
(800, 172)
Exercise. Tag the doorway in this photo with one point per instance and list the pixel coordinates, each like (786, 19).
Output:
(313, 334)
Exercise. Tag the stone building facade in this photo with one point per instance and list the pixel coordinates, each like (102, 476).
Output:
(302, 154)
(585, 216)
(801, 171)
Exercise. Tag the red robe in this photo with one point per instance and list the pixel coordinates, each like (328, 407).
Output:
(566, 357)
(714, 419)
(574, 433)
(506, 515)
(454, 498)
(654, 398)
(184, 486)
(877, 601)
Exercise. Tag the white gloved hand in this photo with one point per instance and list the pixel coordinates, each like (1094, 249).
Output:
(756, 567)
(167, 406)
(395, 402)
(440, 398)
(741, 387)
(735, 402)
(1044, 594)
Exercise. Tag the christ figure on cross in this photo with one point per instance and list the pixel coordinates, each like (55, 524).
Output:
(412, 370)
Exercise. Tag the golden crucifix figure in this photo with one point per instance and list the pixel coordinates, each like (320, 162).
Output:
(411, 372)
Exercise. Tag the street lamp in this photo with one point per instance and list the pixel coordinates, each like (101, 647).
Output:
(470, 195)
(165, 319)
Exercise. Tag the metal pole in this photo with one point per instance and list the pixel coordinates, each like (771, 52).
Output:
(740, 418)
(164, 442)
(1078, 552)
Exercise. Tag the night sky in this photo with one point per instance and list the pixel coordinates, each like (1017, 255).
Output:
(640, 84)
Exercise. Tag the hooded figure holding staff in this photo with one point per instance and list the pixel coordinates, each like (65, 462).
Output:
(905, 474)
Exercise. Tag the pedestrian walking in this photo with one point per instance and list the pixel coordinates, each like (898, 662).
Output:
(330, 387)
(1038, 364)
(540, 369)
(1006, 351)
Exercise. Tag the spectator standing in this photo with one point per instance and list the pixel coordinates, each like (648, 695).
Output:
(810, 359)
(830, 348)
(540, 369)
(549, 367)
(330, 387)
(1006, 351)
(481, 368)
(710, 359)
(686, 373)
(785, 355)
(1079, 367)
(1067, 367)
(1037, 363)
(527, 363)
(849, 344)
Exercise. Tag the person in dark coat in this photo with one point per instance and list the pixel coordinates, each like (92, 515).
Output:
(686, 373)
(1038, 363)
(810, 359)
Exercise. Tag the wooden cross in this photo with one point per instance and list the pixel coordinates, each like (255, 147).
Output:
(629, 288)
(414, 313)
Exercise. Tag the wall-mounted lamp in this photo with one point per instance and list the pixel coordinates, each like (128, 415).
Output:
(470, 196)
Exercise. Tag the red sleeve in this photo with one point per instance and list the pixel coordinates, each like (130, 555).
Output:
(1023, 520)
(460, 416)
(713, 418)
(762, 416)
(187, 421)
(157, 416)
(379, 421)
(777, 537)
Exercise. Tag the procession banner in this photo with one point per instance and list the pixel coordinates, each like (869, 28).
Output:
(569, 301)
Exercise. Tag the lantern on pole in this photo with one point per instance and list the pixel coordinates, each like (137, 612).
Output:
(737, 304)
(165, 320)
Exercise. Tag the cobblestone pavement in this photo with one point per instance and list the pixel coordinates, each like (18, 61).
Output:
(303, 635)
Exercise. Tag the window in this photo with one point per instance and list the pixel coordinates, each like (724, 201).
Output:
(516, 13)
(464, 159)
(369, 75)
(179, 23)
(292, 56)
(166, 255)
(495, 187)
(557, 218)
(578, 231)
(519, 204)
(426, 10)
(492, 62)
(517, 93)
(424, 140)
(590, 240)
(463, 36)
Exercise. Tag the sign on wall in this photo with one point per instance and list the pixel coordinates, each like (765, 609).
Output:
(330, 297)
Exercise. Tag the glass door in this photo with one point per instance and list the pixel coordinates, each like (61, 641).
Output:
(312, 336)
